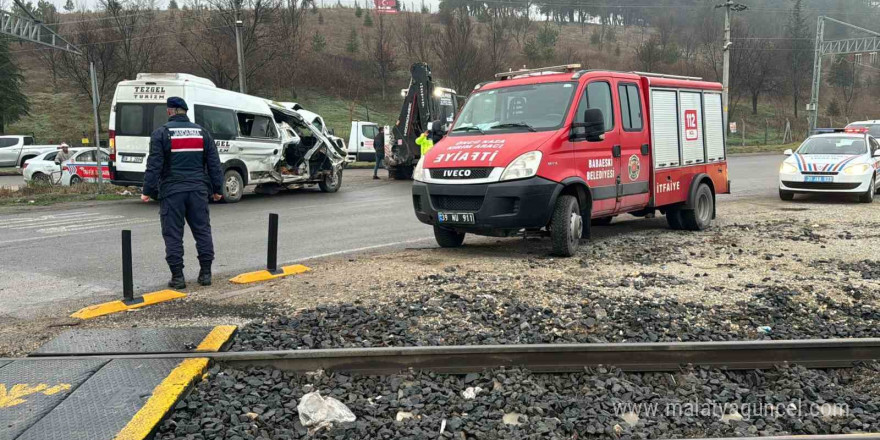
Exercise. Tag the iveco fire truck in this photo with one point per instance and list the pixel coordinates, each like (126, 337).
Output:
(554, 150)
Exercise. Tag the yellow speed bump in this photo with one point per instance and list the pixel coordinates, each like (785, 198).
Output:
(120, 306)
(265, 275)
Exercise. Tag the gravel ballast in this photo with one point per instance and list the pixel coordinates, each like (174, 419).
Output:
(260, 403)
(451, 319)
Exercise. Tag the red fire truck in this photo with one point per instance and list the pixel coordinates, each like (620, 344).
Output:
(558, 149)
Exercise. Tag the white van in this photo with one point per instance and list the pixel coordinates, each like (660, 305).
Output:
(260, 142)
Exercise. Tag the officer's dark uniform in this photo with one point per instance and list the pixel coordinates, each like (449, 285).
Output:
(183, 171)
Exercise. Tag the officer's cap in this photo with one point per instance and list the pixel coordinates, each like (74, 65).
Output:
(176, 102)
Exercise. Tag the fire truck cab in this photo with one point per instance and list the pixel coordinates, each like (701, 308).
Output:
(558, 149)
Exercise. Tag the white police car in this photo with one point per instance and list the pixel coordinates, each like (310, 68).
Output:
(82, 167)
(845, 162)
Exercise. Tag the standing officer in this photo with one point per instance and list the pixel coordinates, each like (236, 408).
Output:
(379, 147)
(183, 169)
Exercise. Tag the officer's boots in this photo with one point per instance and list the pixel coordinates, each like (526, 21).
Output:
(177, 279)
(205, 275)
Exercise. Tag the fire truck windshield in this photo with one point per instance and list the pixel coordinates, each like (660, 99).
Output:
(834, 145)
(533, 107)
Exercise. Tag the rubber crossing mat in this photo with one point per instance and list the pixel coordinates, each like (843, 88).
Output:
(125, 340)
(102, 407)
(30, 389)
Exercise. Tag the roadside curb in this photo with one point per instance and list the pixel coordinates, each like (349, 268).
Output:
(265, 275)
(111, 307)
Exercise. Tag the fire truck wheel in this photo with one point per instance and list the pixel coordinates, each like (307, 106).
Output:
(448, 238)
(673, 218)
(700, 217)
(566, 226)
(601, 221)
(786, 195)
(868, 196)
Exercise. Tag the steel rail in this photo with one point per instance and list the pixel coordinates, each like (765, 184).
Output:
(665, 356)
(863, 436)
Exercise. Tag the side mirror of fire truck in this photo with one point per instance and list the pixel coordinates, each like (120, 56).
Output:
(788, 152)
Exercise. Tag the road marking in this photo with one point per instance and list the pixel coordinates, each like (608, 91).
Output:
(64, 222)
(365, 248)
(15, 221)
(16, 394)
(106, 224)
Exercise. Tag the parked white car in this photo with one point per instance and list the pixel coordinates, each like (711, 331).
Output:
(832, 163)
(42, 168)
(16, 150)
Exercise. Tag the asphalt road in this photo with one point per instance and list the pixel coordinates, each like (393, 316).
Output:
(66, 257)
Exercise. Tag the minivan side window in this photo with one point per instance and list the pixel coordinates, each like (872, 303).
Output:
(220, 122)
(597, 95)
(256, 126)
(630, 107)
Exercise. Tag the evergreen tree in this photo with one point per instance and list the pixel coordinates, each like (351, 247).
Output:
(368, 20)
(358, 11)
(173, 5)
(68, 6)
(318, 43)
(15, 102)
(353, 44)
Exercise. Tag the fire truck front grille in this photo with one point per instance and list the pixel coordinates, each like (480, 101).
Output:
(822, 185)
(457, 203)
(460, 173)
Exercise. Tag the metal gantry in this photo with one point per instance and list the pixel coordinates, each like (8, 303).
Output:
(859, 46)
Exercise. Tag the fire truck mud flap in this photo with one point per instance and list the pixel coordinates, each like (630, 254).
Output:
(499, 209)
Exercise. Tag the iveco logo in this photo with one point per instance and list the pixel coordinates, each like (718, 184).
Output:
(456, 173)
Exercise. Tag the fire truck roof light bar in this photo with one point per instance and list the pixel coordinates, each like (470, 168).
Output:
(556, 69)
(663, 75)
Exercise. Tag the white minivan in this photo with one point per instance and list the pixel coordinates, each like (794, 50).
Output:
(260, 142)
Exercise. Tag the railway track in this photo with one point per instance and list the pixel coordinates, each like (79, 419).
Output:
(636, 357)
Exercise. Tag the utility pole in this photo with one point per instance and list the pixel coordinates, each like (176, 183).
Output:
(728, 6)
(242, 87)
(95, 101)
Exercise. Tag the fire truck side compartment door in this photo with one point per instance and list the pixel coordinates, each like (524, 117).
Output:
(664, 128)
(714, 127)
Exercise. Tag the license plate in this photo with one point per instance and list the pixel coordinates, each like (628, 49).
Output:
(465, 218)
(132, 159)
(818, 179)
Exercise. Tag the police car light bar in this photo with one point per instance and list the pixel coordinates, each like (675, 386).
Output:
(856, 130)
(543, 70)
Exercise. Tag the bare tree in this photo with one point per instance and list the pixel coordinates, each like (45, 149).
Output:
(456, 46)
(210, 42)
(415, 33)
(97, 48)
(498, 40)
(130, 23)
(382, 52)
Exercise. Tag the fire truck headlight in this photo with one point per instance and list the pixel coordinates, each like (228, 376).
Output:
(526, 165)
(855, 170)
(419, 171)
(788, 168)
